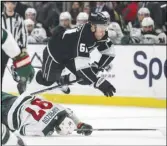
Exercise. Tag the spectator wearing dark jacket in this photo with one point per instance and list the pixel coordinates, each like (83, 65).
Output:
(155, 13)
(76, 9)
(48, 15)
(101, 6)
(21, 8)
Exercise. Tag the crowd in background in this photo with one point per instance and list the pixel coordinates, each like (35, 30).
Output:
(128, 19)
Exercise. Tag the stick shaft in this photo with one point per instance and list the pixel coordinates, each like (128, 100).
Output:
(118, 129)
(50, 88)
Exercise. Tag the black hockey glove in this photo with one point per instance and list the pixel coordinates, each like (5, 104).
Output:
(104, 86)
(84, 129)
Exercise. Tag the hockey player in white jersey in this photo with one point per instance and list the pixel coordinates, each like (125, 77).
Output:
(65, 20)
(82, 18)
(32, 115)
(149, 35)
(38, 32)
(114, 30)
(146, 34)
(142, 13)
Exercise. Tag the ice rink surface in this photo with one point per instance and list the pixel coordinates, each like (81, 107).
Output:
(112, 117)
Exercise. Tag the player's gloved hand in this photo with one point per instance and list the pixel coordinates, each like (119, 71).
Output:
(23, 67)
(84, 129)
(104, 86)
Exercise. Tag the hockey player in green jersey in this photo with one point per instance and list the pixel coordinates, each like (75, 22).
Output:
(23, 68)
(21, 60)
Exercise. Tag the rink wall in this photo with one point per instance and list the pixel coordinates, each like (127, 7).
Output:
(138, 73)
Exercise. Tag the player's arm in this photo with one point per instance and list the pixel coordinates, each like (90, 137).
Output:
(82, 60)
(21, 59)
(107, 50)
(85, 71)
(9, 45)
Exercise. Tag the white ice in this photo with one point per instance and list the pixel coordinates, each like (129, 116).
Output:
(112, 117)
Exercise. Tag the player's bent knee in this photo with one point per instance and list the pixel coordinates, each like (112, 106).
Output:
(40, 80)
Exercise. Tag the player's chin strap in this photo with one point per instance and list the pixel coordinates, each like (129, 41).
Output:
(162, 130)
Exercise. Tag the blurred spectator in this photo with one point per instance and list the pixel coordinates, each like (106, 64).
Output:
(30, 26)
(82, 18)
(48, 15)
(101, 6)
(115, 32)
(142, 13)
(38, 31)
(145, 35)
(76, 8)
(31, 13)
(29, 4)
(164, 12)
(65, 20)
(21, 8)
(86, 9)
(150, 36)
(129, 13)
(155, 13)
(117, 8)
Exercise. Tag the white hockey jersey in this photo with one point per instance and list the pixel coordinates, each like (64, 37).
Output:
(39, 33)
(9, 45)
(115, 32)
(32, 115)
(147, 38)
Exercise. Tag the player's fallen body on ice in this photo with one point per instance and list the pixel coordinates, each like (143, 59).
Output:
(71, 49)
(35, 116)
(18, 113)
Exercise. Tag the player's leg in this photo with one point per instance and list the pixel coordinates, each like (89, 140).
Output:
(9, 138)
(7, 101)
(51, 72)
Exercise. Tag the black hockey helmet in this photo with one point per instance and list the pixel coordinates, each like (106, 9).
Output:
(98, 18)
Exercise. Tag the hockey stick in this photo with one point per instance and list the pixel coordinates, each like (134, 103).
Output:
(162, 130)
(50, 88)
